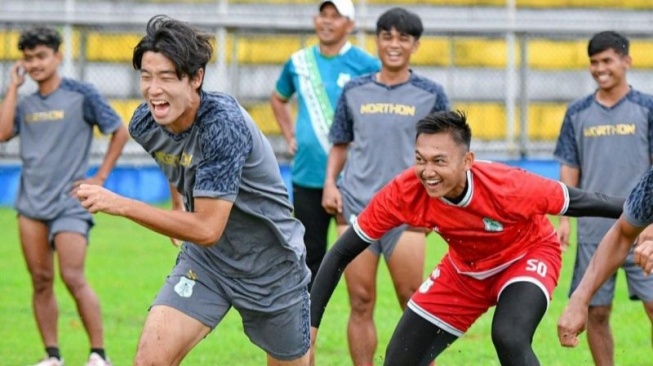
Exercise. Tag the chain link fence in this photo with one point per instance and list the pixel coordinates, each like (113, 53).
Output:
(512, 66)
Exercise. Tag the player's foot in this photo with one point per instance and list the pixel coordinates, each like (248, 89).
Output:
(50, 361)
(96, 360)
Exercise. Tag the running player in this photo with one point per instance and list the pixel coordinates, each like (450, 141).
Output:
(503, 250)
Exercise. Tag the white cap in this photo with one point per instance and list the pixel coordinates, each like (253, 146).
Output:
(344, 7)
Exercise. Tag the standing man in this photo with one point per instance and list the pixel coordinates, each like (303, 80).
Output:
(502, 248)
(317, 75)
(242, 247)
(609, 131)
(56, 130)
(615, 247)
(373, 139)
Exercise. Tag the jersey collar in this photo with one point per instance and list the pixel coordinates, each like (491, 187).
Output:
(467, 199)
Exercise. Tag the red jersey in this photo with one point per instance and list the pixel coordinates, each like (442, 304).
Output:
(502, 215)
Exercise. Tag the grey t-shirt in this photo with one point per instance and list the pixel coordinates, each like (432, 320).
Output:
(56, 131)
(611, 146)
(379, 122)
(638, 209)
(224, 155)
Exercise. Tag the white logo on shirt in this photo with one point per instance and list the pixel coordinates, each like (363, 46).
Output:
(492, 225)
(343, 79)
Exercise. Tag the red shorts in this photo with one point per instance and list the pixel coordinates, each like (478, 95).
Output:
(453, 301)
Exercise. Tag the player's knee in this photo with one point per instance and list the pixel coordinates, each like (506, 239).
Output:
(508, 341)
(362, 302)
(599, 314)
(42, 280)
(74, 280)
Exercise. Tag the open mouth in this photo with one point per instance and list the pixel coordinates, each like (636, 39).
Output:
(160, 108)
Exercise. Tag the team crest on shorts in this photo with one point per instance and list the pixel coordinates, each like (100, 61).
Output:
(184, 287)
(492, 225)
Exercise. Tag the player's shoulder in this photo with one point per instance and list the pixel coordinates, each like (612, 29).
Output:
(358, 81)
(580, 104)
(640, 98)
(221, 111)
(425, 83)
(141, 120)
(359, 53)
(77, 86)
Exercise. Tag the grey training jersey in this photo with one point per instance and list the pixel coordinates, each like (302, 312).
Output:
(638, 208)
(379, 122)
(611, 146)
(56, 131)
(224, 155)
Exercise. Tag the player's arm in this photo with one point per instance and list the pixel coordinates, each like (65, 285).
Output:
(610, 254)
(283, 116)
(8, 105)
(118, 140)
(331, 199)
(345, 249)
(204, 226)
(583, 203)
(570, 176)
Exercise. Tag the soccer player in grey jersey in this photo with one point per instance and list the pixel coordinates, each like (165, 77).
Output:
(242, 247)
(373, 135)
(55, 125)
(608, 131)
(612, 251)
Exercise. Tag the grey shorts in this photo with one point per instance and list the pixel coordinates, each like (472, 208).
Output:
(388, 242)
(68, 221)
(640, 287)
(283, 333)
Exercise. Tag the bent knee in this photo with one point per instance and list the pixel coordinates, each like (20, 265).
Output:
(599, 314)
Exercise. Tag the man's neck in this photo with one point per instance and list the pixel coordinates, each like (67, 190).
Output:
(50, 84)
(393, 77)
(332, 49)
(610, 97)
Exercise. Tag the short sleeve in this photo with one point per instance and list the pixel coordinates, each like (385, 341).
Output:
(225, 147)
(441, 100)
(285, 87)
(638, 209)
(533, 194)
(98, 111)
(566, 150)
(382, 214)
(342, 128)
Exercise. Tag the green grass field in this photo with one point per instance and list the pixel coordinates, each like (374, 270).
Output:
(127, 264)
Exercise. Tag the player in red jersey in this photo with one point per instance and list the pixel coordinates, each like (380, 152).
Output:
(503, 250)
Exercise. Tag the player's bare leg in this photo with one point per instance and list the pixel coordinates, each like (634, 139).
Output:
(168, 335)
(360, 276)
(406, 265)
(40, 263)
(599, 335)
(71, 250)
(302, 361)
(648, 307)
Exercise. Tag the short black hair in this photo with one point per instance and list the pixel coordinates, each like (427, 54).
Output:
(452, 122)
(39, 36)
(606, 40)
(402, 20)
(188, 48)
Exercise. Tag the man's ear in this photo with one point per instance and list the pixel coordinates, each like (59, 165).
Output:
(197, 80)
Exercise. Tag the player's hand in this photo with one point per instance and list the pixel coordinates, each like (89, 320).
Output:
(563, 231)
(571, 323)
(643, 256)
(98, 199)
(97, 181)
(292, 146)
(17, 74)
(331, 199)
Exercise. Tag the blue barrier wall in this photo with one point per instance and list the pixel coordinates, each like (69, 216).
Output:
(147, 183)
